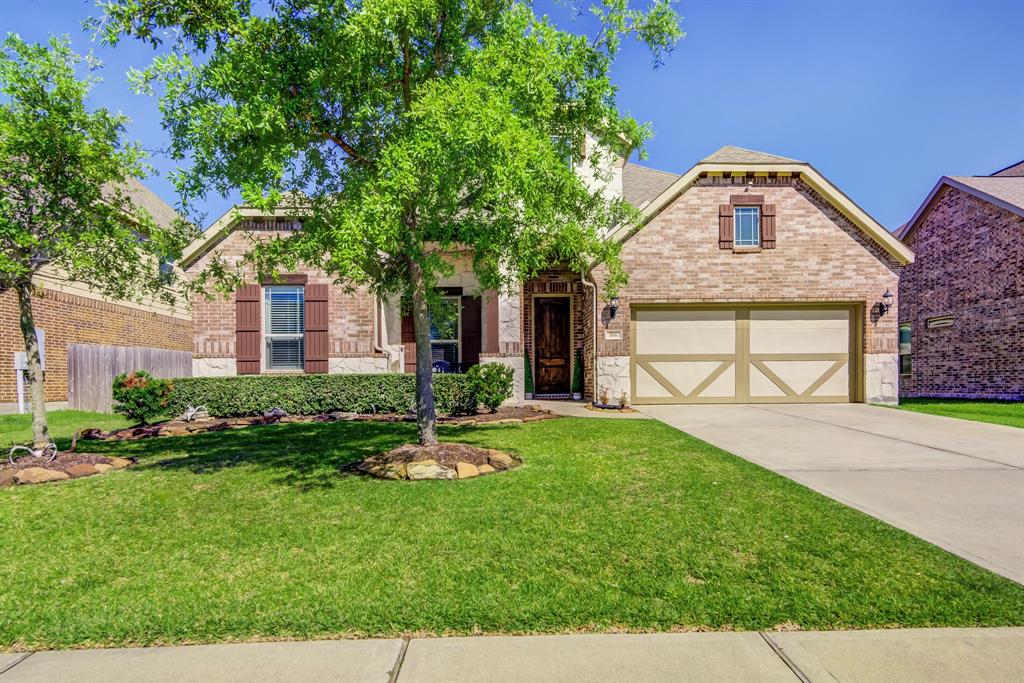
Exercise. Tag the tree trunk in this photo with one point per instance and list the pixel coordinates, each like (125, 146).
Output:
(37, 397)
(426, 416)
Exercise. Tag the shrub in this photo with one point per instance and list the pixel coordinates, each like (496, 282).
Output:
(140, 397)
(577, 373)
(528, 375)
(314, 394)
(491, 383)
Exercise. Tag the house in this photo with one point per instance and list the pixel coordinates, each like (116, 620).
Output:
(74, 321)
(961, 311)
(752, 279)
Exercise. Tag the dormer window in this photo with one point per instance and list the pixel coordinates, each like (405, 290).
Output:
(747, 226)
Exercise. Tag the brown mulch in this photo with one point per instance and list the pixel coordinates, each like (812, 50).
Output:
(210, 424)
(62, 462)
(448, 454)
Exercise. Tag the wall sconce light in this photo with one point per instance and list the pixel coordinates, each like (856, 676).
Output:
(613, 307)
(886, 302)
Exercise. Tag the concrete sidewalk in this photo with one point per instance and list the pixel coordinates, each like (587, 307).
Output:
(908, 656)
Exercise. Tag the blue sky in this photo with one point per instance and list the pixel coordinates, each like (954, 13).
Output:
(882, 97)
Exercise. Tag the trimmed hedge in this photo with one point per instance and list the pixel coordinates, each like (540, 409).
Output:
(315, 394)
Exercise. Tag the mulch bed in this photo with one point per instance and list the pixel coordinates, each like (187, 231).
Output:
(61, 463)
(448, 454)
(503, 415)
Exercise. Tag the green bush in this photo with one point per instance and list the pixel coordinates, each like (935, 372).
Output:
(577, 373)
(528, 374)
(140, 397)
(315, 394)
(491, 383)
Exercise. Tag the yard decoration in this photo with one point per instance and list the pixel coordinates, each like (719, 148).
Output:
(396, 133)
(64, 202)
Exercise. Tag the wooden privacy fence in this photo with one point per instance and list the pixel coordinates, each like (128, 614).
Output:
(92, 369)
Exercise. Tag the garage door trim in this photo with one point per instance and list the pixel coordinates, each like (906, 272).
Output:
(741, 358)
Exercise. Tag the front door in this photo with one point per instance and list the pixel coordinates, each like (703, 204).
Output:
(552, 344)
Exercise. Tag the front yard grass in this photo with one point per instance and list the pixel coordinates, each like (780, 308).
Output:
(1010, 413)
(610, 524)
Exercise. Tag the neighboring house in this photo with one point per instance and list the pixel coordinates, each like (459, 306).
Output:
(752, 279)
(961, 310)
(68, 314)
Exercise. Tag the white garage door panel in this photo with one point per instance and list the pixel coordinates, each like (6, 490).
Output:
(741, 355)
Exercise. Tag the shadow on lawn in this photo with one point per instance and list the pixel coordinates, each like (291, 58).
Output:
(304, 455)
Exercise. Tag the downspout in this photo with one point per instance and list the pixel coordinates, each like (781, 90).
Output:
(378, 328)
(593, 362)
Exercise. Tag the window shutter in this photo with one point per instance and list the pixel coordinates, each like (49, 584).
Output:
(472, 331)
(248, 335)
(315, 335)
(768, 226)
(409, 343)
(725, 226)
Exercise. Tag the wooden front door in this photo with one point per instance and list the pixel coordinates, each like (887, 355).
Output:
(552, 343)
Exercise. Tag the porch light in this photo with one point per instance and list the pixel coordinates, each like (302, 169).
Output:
(886, 302)
(613, 307)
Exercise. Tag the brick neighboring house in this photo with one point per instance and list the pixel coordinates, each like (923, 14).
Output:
(961, 308)
(752, 279)
(70, 313)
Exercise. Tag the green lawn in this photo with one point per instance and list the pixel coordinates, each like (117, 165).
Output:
(609, 524)
(1009, 413)
(63, 424)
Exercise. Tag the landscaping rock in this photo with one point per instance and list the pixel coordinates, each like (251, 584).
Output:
(384, 470)
(428, 469)
(275, 413)
(6, 478)
(38, 475)
(485, 469)
(501, 461)
(466, 470)
(93, 433)
(177, 430)
(81, 470)
(120, 463)
(102, 467)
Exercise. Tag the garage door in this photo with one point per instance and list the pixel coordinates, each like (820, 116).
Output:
(742, 355)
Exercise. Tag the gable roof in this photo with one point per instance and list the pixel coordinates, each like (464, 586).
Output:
(1006, 192)
(641, 184)
(738, 160)
(740, 155)
(1013, 170)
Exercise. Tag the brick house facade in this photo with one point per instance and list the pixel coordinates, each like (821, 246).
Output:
(962, 300)
(826, 258)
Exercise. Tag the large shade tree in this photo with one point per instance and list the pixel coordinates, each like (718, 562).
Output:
(64, 199)
(407, 127)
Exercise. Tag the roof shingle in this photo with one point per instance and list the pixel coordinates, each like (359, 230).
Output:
(739, 155)
(641, 184)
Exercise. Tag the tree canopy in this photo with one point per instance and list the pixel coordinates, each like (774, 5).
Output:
(66, 198)
(401, 129)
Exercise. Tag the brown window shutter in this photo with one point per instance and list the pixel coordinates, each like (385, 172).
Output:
(768, 226)
(472, 331)
(315, 337)
(248, 335)
(409, 343)
(725, 226)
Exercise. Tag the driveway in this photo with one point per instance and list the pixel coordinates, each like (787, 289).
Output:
(956, 483)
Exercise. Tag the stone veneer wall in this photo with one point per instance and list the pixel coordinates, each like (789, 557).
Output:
(819, 257)
(969, 264)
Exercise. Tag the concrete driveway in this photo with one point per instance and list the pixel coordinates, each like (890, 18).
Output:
(956, 483)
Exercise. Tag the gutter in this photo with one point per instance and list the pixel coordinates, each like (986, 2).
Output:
(378, 327)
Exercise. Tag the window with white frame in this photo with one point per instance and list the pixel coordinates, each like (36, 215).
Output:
(445, 324)
(747, 226)
(284, 327)
(905, 358)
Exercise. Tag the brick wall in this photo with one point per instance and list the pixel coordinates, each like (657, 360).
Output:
(560, 282)
(69, 319)
(969, 264)
(351, 314)
(819, 256)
